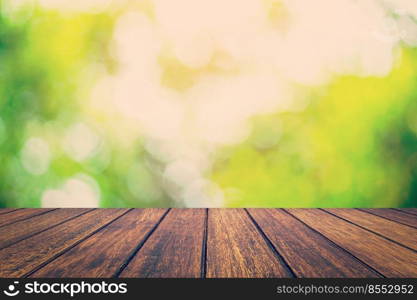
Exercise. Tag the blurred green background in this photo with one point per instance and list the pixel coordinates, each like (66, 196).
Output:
(352, 143)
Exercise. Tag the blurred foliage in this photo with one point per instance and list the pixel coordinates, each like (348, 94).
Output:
(47, 64)
(354, 143)
(354, 146)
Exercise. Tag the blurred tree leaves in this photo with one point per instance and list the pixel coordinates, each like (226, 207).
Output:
(351, 144)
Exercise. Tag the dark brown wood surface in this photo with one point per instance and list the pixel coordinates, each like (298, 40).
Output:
(304, 249)
(193, 243)
(174, 249)
(104, 253)
(16, 232)
(412, 211)
(235, 248)
(21, 214)
(394, 215)
(27, 255)
(383, 255)
(7, 210)
(399, 233)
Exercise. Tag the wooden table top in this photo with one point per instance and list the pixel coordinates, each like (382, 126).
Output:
(195, 243)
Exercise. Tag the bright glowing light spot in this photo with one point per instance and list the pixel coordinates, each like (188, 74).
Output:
(195, 52)
(81, 142)
(408, 31)
(76, 5)
(403, 7)
(79, 191)
(223, 105)
(64, 6)
(181, 173)
(203, 193)
(238, 61)
(36, 156)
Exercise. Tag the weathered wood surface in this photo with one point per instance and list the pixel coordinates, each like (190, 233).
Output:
(394, 215)
(21, 214)
(412, 211)
(208, 243)
(385, 256)
(24, 257)
(26, 228)
(235, 248)
(399, 233)
(104, 253)
(309, 253)
(7, 210)
(174, 249)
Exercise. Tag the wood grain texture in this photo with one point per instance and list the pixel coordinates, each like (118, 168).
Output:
(174, 249)
(388, 258)
(23, 257)
(236, 249)
(7, 210)
(412, 211)
(21, 214)
(308, 253)
(105, 252)
(228, 243)
(394, 215)
(13, 233)
(397, 232)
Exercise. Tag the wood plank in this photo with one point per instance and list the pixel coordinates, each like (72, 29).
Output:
(104, 253)
(7, 210)
(235, 248)
(402, 234)
(412, 211)
(22, 214)
(394, 215)
(13, 233)
(308, 253)
(23, 257)
(174, 249)
(388, 258)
